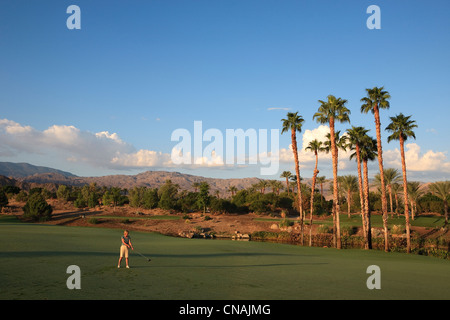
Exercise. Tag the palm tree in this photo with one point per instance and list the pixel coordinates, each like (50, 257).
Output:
(196, 185)
(396, 189)
(402, 128)
(321, 180)
(368, 152)
(350, 184)
(293, 123)
(340, 144)
(391, 176)
(329, 112)
(316, 147)
(287, 175)
(414, 193)
(375, 100)
(261, 186)
(355, 137)
(441, 189)
(232, 190)
(276, 186)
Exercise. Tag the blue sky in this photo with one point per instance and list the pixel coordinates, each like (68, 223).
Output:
(141, 69)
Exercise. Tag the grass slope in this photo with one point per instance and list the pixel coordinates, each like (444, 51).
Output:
(35, 258)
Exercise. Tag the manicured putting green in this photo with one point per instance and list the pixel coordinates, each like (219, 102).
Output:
(34, 260)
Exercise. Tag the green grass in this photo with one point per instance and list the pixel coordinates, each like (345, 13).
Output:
(34, 259)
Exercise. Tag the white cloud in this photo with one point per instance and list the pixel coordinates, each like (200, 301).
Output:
(101, 149)
(142, 159)
(107, 150)
(417, 161)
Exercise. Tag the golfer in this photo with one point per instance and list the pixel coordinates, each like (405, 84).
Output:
(126, 244)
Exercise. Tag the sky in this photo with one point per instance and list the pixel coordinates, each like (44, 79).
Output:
(106, 98)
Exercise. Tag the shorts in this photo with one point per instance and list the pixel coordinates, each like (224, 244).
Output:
(123, 251)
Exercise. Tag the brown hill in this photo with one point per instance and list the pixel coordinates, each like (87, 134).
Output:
(151, 179)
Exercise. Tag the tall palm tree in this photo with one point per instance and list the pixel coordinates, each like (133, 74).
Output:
(293, 123)
(368, 152)
(355, 138)
(316, 147)
(391, 176)
(401, 128)
(286, 175)
(340, 144)
(330, 111)
(376, 99)
(441, 189)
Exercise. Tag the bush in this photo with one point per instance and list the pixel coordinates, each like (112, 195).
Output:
(324, 229)
(93, 221)
(398, 229)
(3, 199)
(285, 223)
(22, 196)
(37, 208)
(222, 205)
(348, 231)
(79, 202)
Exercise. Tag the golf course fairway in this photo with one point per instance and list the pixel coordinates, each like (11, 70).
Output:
(35, 258)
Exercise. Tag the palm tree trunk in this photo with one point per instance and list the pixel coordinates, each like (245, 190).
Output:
(390, 199)
(287, 184)
(405, 195)
(396, 204)
(446, 211)
(366, 207)
(297, 172)
(361, 195)
(383, 185)
(412, 209)
(349, 198)
(321, 193)
(334, 153)
(316, 172)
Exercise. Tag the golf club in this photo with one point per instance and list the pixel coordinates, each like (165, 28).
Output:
(142, 255)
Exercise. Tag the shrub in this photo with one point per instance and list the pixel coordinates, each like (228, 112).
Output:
(3, 199)
(398, 229)
(348, 231)
(37, 208)
(79, 202)
(324, 229)
(22, 196)
(93, 221)
(285, 223)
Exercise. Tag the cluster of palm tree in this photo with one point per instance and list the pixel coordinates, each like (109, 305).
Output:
(365, 148)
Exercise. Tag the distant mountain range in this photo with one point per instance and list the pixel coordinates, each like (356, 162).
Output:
(27, 176)
(21, 170)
